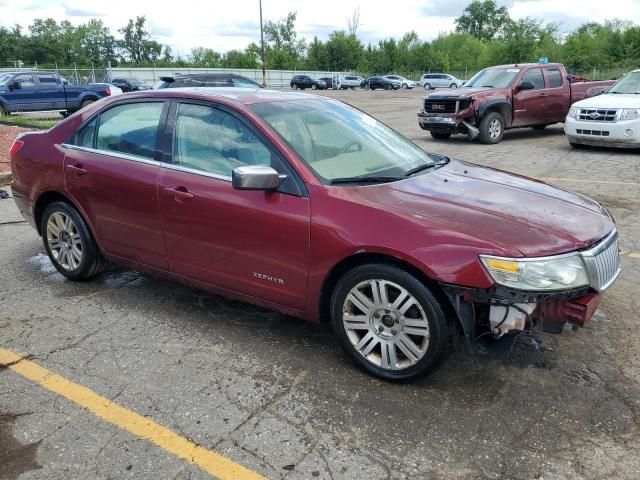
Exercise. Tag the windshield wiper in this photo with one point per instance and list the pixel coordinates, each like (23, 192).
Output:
(419, 168)
(365, 179)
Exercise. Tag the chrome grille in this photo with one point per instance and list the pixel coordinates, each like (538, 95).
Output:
(603, 262)
(440, 106)
(597, 115)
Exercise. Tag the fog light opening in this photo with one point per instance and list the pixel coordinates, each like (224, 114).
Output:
(629, 132)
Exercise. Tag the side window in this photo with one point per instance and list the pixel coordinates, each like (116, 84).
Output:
(84, 137)
(214, 141)
(555, 78)
(534, 76)
(130, 128)
(47, 81)
(241, 82)
(25, 81)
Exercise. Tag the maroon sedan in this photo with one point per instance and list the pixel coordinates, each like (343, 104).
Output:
(308, 206)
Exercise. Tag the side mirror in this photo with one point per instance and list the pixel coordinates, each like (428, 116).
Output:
(256, 177)
(526, 86)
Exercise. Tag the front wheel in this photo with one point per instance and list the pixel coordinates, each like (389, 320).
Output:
(427, 86)
(3, 111)
(314, 87)
(69, 243)
(453, 85)
(492, 128)
(388, 322)
(578, 146)
(405, 86)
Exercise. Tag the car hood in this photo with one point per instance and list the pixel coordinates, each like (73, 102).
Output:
(610, 101)
(508, 211)
(462, 92)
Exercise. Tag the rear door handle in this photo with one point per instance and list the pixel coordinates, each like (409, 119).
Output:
(179, 193)
(77, 169)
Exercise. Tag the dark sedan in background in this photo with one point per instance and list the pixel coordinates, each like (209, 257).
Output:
(208, 80)
(129, 84)
(372, 83)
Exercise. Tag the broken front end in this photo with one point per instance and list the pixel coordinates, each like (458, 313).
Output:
(537, 293)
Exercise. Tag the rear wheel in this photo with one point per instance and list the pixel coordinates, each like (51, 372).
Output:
(314, 87)
(86, 103)
(491, 128)
(388, 87)
(405, 86)
(440, 135)
(427, 86)
(453, 85)
(69, 243)
(388, 322)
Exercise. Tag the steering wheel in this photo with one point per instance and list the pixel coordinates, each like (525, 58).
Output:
(347, 146)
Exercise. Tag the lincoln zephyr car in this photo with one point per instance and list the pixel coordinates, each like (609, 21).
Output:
(311, 207)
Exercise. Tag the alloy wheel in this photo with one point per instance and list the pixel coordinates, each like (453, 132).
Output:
(386, 324)
(64, 240)
(495, 128)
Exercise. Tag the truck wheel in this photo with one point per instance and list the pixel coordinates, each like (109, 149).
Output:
(389, 323)
(491, 128)
(86, 103)
(3, 111)
(440, 135)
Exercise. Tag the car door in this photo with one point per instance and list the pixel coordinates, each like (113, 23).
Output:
(529, 105)
(111, 168)
(22, 95)
(558, 95)
(252, 242)
(50, 92)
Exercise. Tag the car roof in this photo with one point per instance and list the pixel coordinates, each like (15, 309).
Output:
(522, 65)
(239, 95)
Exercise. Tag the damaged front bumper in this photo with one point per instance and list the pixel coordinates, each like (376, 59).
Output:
(447, 123)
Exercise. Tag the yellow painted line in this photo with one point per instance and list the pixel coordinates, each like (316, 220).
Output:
(635, 255)
(606, 182)
(145, 428)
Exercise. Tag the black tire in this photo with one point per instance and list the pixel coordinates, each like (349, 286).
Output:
(539, 127)
(3, 111)
(439, 328)
(440, 135)
(488, 135)
(577, 146)
(453, 85)
(405, 86)
(86, 103)
(92, 262)
(427, 86)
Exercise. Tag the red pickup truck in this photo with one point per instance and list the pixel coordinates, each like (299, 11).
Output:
(504, 97)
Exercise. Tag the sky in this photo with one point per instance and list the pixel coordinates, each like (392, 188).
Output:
(224, 25)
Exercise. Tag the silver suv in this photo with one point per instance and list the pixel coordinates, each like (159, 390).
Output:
(429, 81)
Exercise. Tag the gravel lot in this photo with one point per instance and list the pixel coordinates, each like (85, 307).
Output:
(276, 394)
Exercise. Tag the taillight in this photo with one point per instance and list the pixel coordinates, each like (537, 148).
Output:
(17, 145)
(107, 91)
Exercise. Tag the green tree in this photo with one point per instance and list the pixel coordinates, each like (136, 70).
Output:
(483, 19)
(343, 51)
(136, 46)
(284, 49)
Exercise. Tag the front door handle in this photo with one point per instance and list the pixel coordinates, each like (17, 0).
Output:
(179, 193)
(77, 169)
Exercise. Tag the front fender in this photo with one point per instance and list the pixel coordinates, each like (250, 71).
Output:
(500, 104)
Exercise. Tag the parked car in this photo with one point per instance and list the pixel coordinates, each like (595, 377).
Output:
(129, 84)
(372, 83)
(431, 81)
(328, 81)
(47, 91)
(302, 185)
(351, 81)
(503, 97)
(305, 81)
(611, 119)
(404, 82)
(207, 80)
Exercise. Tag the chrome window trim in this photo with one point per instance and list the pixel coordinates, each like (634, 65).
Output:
(112, 153)
(217, 176)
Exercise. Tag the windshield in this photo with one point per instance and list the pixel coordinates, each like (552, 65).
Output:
(339, 142)
(5, 78)
(493, 78)
(630, 83)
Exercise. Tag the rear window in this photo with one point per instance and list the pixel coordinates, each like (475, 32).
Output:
(555, 78)
(130, 128)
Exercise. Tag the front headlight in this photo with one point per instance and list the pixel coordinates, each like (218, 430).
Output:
(630, 114)
(573, 111)
(537, 273)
